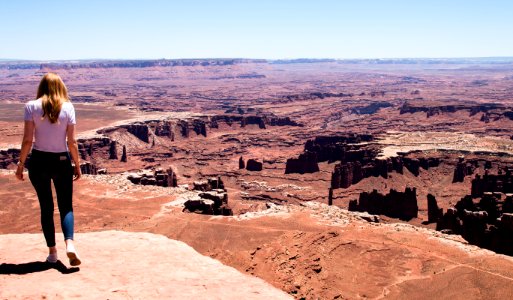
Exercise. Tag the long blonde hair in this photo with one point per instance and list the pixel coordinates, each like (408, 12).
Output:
(53, 93)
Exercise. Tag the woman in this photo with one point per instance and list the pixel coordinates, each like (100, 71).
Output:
(50, 132)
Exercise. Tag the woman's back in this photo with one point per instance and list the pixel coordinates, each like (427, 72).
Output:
(51, 120)
(50, 137)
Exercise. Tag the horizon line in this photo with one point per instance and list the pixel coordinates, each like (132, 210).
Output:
(254, 58)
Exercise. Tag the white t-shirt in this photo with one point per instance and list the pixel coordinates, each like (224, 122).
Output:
(50, 137)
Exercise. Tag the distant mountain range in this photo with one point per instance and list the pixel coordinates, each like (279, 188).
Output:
(142, 63)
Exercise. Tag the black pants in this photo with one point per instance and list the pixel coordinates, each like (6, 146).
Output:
(45, 167)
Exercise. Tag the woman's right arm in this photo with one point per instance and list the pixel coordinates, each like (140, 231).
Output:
(73, 150)
(26, 145)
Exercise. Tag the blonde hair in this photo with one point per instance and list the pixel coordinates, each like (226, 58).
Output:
(53, 93)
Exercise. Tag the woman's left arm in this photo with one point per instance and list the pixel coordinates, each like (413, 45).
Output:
(26, 145)
(73, 150)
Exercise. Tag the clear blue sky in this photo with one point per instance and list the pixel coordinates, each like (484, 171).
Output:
(80, 29)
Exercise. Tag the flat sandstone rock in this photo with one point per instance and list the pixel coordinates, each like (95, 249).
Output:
(122, 265)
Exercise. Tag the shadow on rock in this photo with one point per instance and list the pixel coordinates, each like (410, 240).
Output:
(35, 266)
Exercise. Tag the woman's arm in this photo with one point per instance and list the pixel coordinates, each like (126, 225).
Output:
(73, 150)
(26, 145)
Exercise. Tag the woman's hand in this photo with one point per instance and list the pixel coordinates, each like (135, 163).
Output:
(77, 173)
(19, 172)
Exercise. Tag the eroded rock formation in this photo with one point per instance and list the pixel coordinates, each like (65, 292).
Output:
(87, 148)
(113, 150)
(371, 108)
(432, 110)
(401, 205)
(254, 165)
(485, 221)
(261, 120)
(212, 199)
(346, 174)
(123, 155)
(502, 182)
(434, 212)
(209, 184)
(9, 157)
(358, 157)
(314, 95)
(305, 163)
(141, 131)
(199, 125)
(342, 148)
(462, 170)
(414, 164)
(88, 168)
(159, 177)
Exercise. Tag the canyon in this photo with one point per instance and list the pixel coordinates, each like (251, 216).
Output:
(328, 179)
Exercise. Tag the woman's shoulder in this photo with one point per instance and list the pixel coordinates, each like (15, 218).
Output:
(67, 105)
(33, 103)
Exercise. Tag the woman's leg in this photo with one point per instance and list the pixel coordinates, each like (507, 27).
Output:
(63, 182)
(41, 181)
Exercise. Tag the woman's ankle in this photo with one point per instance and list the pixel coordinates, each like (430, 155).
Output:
(70, 246)
(52, 250)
